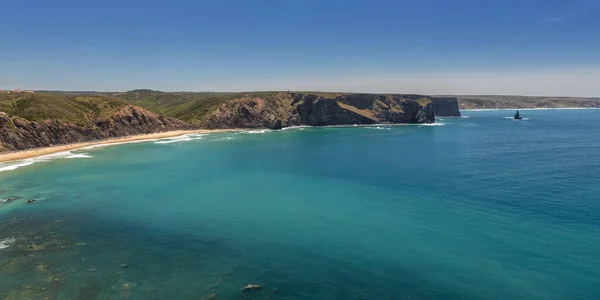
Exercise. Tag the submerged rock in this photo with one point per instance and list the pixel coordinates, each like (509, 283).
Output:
(8, 200)
(251, 287)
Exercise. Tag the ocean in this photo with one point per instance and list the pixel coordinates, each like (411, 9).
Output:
(478, 207)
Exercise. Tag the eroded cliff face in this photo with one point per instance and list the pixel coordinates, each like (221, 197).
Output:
(445, 106)
(244, 113)
(18, 133)
(291, 109)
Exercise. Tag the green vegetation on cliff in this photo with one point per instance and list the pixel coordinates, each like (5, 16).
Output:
(190, 107)
(30, 120)
(77, 109)
(194, 107)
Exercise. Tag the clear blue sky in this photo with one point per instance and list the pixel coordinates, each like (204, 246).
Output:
(426, 46)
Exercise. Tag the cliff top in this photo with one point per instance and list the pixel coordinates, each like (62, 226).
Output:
(77, 109)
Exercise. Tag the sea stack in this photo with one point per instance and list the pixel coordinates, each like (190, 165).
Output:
(517, 116)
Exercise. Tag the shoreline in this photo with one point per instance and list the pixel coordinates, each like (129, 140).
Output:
(18, 155)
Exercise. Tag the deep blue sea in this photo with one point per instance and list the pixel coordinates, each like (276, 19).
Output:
(479, 207)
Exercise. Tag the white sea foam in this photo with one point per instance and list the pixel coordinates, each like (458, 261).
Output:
(181, 138)
(466, 117)
(301, 127)
(15, 165)
(428, 124)
(378, 127)
(258, 131)
(80, 155)
(174, 140)
(512, 118)
(5, 243)
(10, 166)
(387, 125)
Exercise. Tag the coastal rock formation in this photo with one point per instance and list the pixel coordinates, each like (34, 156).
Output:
(445, 106)
(32, 120)
(292, 109)
(17, 133)
(246, 112)
(131, 120)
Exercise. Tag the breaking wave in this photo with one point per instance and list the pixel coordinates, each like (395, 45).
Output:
(301, 127)
(5, 243)
(13, 165)
(512, 118)
(182, 138)
(378, 127)
(258, 131)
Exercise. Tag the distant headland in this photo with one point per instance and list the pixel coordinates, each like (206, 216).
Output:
(525, 102)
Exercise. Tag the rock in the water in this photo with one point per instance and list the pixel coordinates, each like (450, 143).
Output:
(251, 287)
(31, 200)
(212, 296)
(517, 116)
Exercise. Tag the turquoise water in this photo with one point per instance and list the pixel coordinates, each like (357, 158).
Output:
(481, 207)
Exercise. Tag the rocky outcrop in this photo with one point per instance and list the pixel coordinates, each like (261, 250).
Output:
(19, 133)
(517, 116)
(244, 113)
(360, 109)
(131, 120)
(290, 109)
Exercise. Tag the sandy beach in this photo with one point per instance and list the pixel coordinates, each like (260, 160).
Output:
(30, 153)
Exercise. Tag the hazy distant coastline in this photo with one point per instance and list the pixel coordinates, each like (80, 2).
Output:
(466, 102)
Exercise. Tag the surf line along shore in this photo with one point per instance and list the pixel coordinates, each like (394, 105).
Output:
(35, 152)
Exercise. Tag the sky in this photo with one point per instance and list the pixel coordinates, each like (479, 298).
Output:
(511, 47)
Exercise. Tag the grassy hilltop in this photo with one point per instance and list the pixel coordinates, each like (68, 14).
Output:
(193, 107)
(77, 109)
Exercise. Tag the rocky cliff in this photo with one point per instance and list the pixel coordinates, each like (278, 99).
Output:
(17, 133)
(445, 106)
(291, 109)
(30, 120)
